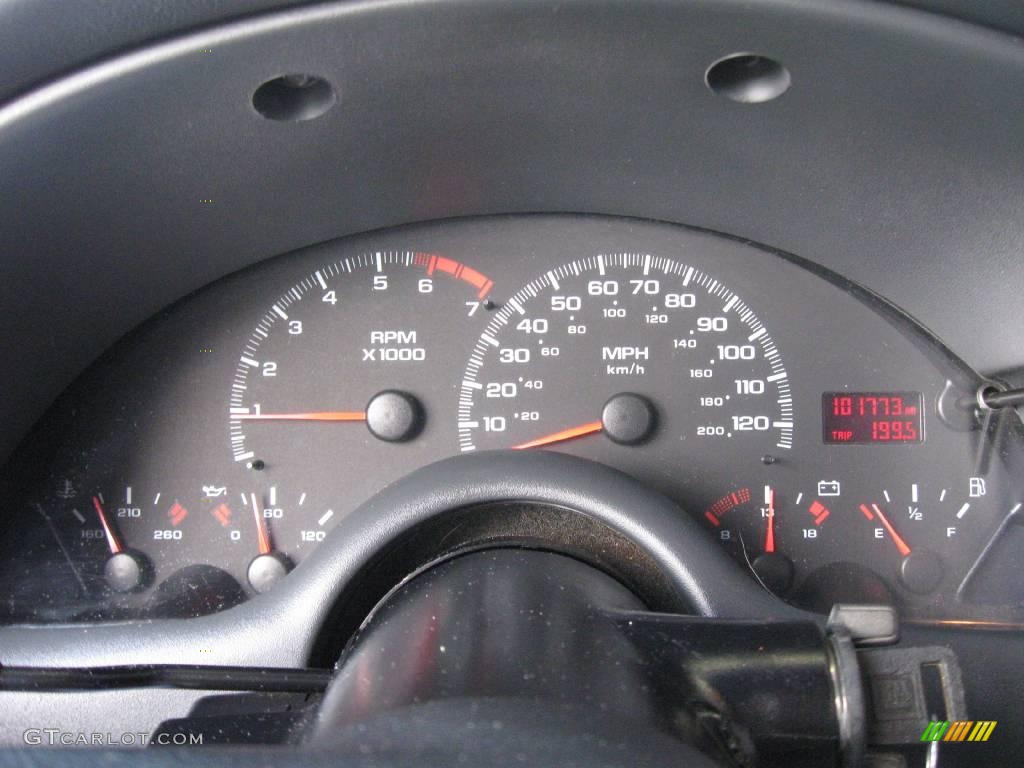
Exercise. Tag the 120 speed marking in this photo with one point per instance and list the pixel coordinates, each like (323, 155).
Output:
(620, 323)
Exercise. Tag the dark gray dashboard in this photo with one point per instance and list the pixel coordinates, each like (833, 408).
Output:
(766, 386)
(892, 159)
(135, 172)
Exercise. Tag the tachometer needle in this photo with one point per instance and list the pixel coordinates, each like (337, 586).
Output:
(769, 537)
(901, 545)
(108, 529)
(261, 527)
(308, 416)
(560, 437)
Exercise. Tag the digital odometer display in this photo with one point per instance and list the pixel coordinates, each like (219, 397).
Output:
(872, 417)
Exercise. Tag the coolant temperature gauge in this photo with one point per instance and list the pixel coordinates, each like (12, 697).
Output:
(118, 540)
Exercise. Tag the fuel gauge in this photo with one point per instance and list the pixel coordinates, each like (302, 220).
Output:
(923, 533)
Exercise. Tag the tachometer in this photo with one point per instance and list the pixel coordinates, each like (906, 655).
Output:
(628, 349)
(339, 385)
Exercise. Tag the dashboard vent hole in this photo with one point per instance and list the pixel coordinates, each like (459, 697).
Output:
(291, 98)
(748, 78)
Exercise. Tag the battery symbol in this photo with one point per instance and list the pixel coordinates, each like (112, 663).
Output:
(828, 487)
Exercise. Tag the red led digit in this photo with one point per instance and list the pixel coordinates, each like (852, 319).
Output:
(872, 417)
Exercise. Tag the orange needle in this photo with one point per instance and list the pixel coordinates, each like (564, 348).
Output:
(261, 527)
(310, 416)
(560, 437)
(901, 545)
(769, 538)
(108, 529)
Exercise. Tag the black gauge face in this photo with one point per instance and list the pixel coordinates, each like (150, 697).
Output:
(128, 550)
(839, 540)
(331, 358)
(332, 394)
(660, 369)
(823, 441)
(342, 367)
(638, 360)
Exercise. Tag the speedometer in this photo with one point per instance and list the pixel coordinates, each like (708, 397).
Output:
(629, 349)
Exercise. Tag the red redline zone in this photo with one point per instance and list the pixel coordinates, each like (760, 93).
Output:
(818, 511)
(177, 513)
(724, 504)
(434, 263)
(223, 514)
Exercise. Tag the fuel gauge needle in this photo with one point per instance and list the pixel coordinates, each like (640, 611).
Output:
(112, 539)
(901, 545)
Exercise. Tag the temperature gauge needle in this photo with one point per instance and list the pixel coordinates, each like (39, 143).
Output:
(307, 416)
(901, 545)
(769, 537)
(572, 433)
(112, 540)
(261, 527)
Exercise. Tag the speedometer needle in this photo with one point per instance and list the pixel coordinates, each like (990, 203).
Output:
(108, 529)
(307, 416)
(769, 537)
(572, 433)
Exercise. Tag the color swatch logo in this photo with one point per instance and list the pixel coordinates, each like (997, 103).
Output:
(959, 730)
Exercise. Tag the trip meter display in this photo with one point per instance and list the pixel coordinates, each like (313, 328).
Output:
(872, 417)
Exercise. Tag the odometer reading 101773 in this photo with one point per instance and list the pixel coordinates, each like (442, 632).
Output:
(632, 348)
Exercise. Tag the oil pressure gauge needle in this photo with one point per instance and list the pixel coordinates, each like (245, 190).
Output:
(262, 533)
(268, 567)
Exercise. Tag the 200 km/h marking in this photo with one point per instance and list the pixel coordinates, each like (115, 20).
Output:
(624, 322)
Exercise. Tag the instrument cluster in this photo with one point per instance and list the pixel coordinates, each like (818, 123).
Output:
(831, 445)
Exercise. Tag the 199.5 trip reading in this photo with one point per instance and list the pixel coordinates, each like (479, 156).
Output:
(872, 417)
